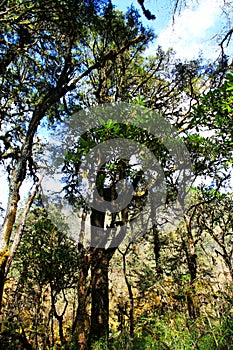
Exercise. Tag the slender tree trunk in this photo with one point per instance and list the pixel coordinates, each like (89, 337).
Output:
(130, 292)
(7, 258)
(81, 326)
(226, 256)
(21, 224)
(191, 256)
(44, 103)
(157, 248)
(7, 228)
(2, 281)
(17, 178)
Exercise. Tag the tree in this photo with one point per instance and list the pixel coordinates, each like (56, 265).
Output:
(109, 88)
(47, 264)
(96, 56)
(214, 217)
(42, 63)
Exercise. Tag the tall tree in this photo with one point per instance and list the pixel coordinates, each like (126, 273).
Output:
(118, 82)
(42, 62)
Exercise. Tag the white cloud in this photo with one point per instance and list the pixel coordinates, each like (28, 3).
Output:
(192, 30)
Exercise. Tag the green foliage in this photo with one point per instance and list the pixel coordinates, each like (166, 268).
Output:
(173, 333)
(46, 255)
(101, 345)
(62, 56)
(213, 115)
(45, 272)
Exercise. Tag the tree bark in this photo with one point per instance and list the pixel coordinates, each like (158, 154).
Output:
(18, 176)
(157, 248)
(100, 258)
(189, 247)
(99, 294)
(130, 292)
(81, 322)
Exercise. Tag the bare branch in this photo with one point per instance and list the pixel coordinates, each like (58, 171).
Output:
(146, 12)
(227, 38)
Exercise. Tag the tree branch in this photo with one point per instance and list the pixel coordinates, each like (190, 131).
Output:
(227, 38)
(21, 224)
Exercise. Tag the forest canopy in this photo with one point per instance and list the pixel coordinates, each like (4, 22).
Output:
(153, 133)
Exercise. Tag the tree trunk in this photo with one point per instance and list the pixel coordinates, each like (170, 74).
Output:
(190, 251)
(52, 96)
(2, 280)
(81, 322)
(7, 228)
(99, 294)
(130, 292)
(157, 248)
(100, 259)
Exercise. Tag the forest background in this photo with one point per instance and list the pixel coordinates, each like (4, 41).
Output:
(170, 288)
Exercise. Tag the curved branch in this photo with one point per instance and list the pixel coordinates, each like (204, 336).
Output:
(227, 38)
(146, 12)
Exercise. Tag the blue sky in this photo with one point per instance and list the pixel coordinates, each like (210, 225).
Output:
(195, 29)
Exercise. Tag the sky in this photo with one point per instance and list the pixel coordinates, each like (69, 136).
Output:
(195, 29)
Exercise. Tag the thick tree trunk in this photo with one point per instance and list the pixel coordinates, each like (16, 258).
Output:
(100, 259)
(99, 283)
(99, 294)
